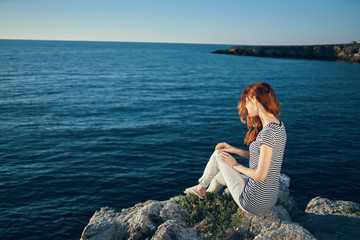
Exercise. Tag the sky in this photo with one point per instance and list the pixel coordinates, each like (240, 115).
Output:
(240, 22)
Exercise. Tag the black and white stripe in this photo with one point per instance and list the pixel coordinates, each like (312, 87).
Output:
(259, 197)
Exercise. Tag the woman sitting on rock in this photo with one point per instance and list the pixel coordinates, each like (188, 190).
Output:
(254, 189)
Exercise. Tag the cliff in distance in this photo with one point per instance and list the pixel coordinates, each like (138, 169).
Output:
(334, 52)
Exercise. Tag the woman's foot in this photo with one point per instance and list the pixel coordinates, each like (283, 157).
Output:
(198, 190)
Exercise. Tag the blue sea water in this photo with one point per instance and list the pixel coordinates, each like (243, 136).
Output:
(85, 125)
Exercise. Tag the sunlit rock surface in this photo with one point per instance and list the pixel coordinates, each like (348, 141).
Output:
(323, 219)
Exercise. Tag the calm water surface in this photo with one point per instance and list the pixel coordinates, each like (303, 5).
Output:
(85, 125)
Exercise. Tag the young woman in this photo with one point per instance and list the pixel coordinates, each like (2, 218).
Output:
(254, 189)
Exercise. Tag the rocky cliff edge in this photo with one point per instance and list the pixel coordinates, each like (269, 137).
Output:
(322, 219)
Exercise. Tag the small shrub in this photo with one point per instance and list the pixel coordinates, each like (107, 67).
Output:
(212, 216)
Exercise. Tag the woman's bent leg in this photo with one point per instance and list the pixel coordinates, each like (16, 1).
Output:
(211, 170)
(217, 183)
(233, 179)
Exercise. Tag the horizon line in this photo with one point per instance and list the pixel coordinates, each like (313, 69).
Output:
(114, 41)
(111, 41)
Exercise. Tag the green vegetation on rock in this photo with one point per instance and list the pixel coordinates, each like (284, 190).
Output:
(212, 216)
(353, 210)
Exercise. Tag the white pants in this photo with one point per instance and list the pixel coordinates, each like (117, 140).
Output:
(218, 174)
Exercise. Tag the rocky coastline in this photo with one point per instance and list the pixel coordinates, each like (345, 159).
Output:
(332, 52)
(322, 219)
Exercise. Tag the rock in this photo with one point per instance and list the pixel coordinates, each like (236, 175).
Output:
(328, 219)
(142, 220)
(171, 210)
(324, 206)
(103, 225)
(284, 198)
(162, 220)
(172, 229)
(273, 224)
(149, 220)
(334, 52)
(286, 230)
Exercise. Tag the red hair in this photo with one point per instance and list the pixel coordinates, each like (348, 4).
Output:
(266, 96)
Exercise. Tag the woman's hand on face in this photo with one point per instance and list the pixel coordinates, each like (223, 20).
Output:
(224, 147)
(227, 159)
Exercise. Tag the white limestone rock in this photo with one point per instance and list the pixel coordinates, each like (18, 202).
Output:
(286, 230)
(103, 225)
(162, 220)
(148, 220)
(328, 219)
(172, 229)
(324, 206)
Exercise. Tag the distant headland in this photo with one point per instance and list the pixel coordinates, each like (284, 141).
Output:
(333, 52)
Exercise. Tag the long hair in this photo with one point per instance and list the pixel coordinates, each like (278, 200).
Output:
(264, 95)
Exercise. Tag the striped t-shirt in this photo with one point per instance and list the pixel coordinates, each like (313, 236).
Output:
(259, 197)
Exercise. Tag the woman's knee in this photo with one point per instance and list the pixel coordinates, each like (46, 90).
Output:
(215, 155)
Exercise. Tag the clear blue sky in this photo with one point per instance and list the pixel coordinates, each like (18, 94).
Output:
(183, 21)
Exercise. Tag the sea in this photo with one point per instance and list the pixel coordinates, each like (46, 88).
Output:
(85, 125)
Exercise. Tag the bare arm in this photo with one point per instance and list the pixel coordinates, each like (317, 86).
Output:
(260, 173)
(242, 153)
(228, 148)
